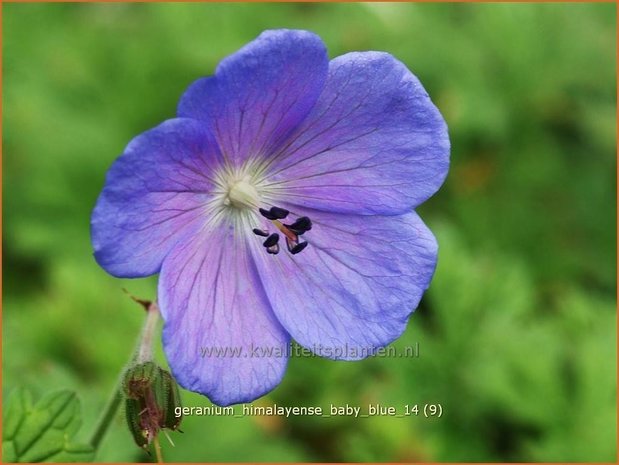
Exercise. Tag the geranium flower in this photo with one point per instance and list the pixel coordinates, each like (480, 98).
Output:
(278, 205)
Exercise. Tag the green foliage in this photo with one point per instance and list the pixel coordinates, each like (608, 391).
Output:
(43, 432)
(516, 334)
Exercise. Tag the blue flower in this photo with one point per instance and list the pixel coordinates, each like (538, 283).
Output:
(278, 205)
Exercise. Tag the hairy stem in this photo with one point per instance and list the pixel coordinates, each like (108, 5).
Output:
(145, 347)
(143, 353)
(105, 420)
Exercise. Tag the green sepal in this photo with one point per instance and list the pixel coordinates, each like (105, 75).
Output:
(173, 401)
(132, 413)
(139, 378)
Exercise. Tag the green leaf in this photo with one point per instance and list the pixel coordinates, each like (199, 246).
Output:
(43, 431)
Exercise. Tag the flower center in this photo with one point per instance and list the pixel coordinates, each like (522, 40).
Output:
(242, 194)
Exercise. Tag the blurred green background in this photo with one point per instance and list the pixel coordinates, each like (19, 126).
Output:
(517, 333)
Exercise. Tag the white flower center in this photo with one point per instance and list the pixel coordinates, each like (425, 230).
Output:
(242, 194)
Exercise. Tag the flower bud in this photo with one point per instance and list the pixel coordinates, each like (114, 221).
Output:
(151, 398)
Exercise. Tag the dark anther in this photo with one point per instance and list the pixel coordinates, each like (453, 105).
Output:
(301, 225)
(267, 214)
(294, 246)
(275, 213)
(291, 231)
(279, 213)
(273, 250)
(260, 232)
(298, 248)
(272, 240)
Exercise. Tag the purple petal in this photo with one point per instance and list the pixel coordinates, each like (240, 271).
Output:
(211, 299)
(261, 93)
(154, 196)
(373, 144)
(354, 287)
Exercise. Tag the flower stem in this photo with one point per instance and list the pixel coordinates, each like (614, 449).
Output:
(145, 347)
(158, 450)
(143, 353)
(106, 417)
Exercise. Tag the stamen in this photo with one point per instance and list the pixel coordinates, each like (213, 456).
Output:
(267, 214)
(291, 231)
(279, 213)
(294, 247)
(275, 213)
(273, 250)
(284, 229)
(260, 232)
(301, 225)
(299, 248)
(272, 240)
